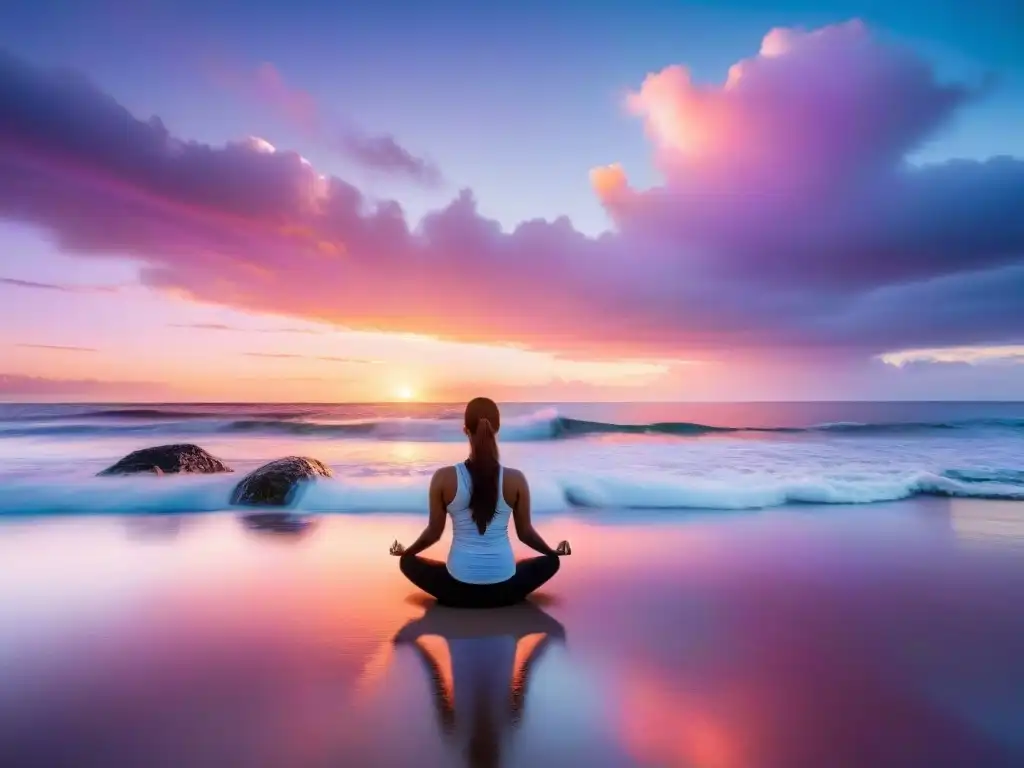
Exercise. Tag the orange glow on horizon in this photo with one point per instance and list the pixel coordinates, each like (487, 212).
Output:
(184, 353)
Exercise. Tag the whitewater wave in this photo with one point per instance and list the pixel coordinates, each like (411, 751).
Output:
(543, 425)
(550, 493)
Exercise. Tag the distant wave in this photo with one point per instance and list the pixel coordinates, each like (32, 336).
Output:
(163, 414)
(916, 426)
(544, 425)
(566, 427)
(551, 494)
(160, 413)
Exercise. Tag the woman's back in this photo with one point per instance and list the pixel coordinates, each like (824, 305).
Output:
(480, 497)
(474, 557)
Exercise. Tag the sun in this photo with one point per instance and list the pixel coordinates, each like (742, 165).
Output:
(405, 393)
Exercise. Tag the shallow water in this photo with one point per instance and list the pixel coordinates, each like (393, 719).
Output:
(885, 635)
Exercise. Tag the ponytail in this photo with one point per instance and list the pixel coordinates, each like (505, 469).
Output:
(482, 423)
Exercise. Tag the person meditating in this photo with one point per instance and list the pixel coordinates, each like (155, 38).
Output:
(481, 496)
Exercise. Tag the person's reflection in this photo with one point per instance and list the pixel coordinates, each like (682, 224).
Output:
(479, 663)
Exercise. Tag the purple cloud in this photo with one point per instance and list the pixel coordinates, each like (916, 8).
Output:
(237, 329)
(789, 221)
(58, 347)
(64, 288)
(383, 153)
(17, 385)
(32, 284)
(795, 169)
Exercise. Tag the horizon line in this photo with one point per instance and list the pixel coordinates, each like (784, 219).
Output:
(508, 402)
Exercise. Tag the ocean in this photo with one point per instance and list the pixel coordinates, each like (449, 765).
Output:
(626, 456)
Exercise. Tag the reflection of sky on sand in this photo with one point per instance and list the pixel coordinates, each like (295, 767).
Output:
(991, 523)
(862, 636)
(265, 650)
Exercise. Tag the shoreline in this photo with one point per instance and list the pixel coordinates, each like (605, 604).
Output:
(210, 494)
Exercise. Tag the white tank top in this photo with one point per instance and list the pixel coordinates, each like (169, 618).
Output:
(476, 558)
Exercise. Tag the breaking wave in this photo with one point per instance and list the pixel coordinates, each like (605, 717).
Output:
(551, 492)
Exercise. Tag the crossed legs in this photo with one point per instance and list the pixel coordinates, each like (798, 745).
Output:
(433, 578)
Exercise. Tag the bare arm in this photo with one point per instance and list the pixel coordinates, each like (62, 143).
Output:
(444, 699)
(524, 525)
(438, 512)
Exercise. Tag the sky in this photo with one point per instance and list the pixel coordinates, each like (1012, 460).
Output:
(333, 201)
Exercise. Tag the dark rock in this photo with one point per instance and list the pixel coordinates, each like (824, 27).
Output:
(168, 459)
(274, 484)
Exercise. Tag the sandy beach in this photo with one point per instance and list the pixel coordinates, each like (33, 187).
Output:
(883, 635)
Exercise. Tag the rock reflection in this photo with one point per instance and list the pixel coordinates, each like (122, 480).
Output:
(153, 527)
(279, 523)
(480, 663)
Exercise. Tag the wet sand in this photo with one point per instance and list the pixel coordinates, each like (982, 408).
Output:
(889, 635)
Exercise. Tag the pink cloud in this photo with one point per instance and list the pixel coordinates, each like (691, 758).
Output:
(379, 152)
(794, 167)
(811, 110)
(788, 220)
(297, 105)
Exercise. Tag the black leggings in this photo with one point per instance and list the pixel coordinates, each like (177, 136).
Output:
(433, 578)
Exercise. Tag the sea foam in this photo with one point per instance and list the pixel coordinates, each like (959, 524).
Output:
(551, 492)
